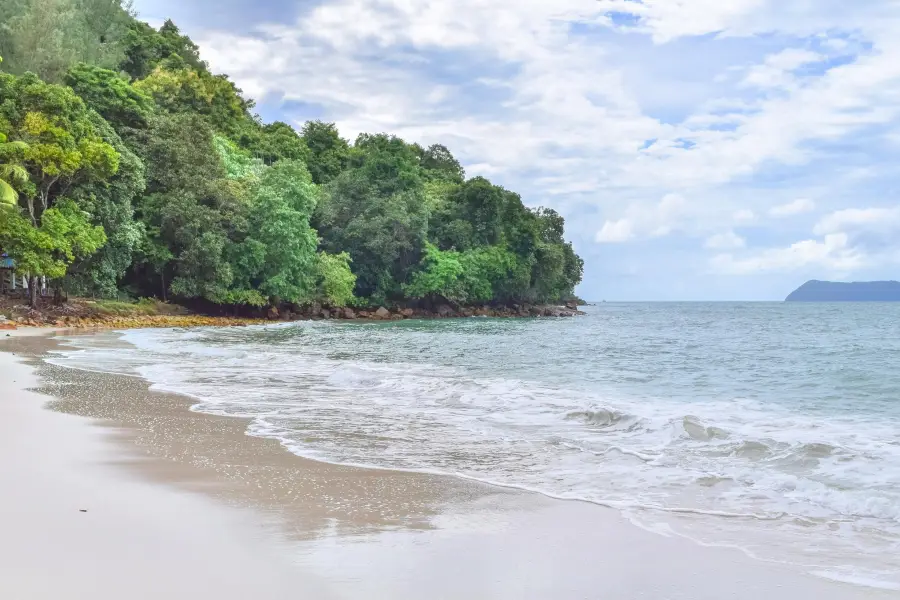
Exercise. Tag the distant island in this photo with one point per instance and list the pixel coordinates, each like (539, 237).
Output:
(832, 291)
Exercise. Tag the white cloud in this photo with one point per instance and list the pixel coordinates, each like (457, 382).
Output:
(658, 220)
(744, 215)
(776, 70)
(547, 98)
(725, 241)
(614, 232)
(796, 207)
(859, 218)
(834, 254)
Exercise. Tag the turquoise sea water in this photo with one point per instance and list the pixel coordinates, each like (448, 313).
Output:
(771, 427)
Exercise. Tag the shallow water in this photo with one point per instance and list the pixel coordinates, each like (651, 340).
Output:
(771, 427)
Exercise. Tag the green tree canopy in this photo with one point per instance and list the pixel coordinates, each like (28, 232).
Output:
(47, 37)
(329, 153)
(144, 48)
(114, 98)
(63, 145)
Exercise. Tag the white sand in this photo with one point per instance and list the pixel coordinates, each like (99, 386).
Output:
(137, 540)
(147, 539)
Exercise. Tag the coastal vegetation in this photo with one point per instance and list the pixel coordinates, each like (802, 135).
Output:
(128, 169)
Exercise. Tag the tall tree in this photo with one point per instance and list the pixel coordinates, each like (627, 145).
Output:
(144, 48)
(47, 37)
(117, 101)
(329, 152)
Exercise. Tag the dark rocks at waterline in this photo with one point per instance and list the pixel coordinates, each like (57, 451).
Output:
(443, 311)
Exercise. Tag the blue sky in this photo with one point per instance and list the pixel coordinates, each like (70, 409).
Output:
(699, 150)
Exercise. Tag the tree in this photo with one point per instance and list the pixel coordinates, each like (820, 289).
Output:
(278, 141)
(385, 234)
(237, 162)
(64, 235)
(47, 37)
(329, 152)
(187, 90)
(441, 276)
(111, 205)
(63, 147)
(279, 252)
(184, 226)
(439, 164)
(336, 280)
(144, 48)
(117, 101)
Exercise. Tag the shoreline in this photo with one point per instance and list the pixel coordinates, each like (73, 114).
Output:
(358, 530)
(82, 315)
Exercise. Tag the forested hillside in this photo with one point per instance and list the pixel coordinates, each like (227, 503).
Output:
(127, 168)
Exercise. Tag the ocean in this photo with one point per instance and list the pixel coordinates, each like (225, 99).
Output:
(769, 427)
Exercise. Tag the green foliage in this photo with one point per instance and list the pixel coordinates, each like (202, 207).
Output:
(441, 275)
(141, 307)
(278, 256)
(439, 164)
(384, 233)
(65, 234)
(63, 146)
(12, 174)
(167, 184)
(336, 280)
(238, 163)
(47, 37)
(111, 205)
(329, 153)
(145, 48)
(186, 90)
(114, 98)
(464, 277)
(278, 141)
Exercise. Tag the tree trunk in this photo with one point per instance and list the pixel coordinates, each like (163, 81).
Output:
(162, 277)
(33, 292)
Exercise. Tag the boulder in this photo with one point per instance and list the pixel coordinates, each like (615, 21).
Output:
(349, 314)
(407, 313)
(396, 317)
(445, 310)
(572, 305)
(326, 314)
(272, 314)
(382, 313)
(364, 314)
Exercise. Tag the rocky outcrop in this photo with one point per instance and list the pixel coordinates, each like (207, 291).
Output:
(382, 313)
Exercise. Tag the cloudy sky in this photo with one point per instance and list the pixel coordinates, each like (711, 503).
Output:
(699, 149)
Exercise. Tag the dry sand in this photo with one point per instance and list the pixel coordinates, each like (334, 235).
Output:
(184, 505)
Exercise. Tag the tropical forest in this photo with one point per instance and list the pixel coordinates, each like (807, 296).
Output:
(128, 169)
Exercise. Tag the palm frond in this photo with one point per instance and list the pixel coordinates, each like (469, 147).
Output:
(14, 174)
(8, 195)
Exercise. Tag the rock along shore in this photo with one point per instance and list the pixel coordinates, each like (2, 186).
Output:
(76, 316)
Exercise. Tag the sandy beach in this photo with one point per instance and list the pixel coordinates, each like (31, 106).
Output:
(113, 491)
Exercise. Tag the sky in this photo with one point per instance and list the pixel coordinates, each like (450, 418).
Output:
(698, 149)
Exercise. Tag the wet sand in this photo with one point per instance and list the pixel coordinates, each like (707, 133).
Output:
(185, 505)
